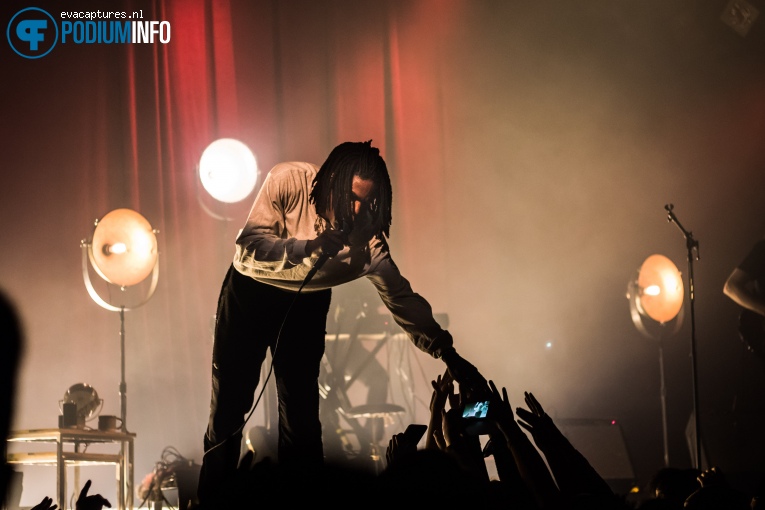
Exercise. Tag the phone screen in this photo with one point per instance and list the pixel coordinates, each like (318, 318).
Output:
(476, 409)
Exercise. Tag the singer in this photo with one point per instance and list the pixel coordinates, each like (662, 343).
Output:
(309, 229)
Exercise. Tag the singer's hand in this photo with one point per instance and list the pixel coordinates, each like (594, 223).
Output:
(330, 242)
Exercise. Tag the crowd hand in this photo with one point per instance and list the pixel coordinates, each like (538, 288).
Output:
(330, 241)
(507, 470)
(715, 492)
(536, 421)
(452, 436)
(443, 391)
(571, 469)
(398, 448)
(94, 502)
(501, 413)
(531, 466)
(45, 504)
(472, 383)
(465, 447)
(710, 477)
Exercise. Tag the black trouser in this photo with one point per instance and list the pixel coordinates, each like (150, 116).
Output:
(248, 320)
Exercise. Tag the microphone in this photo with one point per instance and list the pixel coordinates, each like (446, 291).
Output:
(325, 256)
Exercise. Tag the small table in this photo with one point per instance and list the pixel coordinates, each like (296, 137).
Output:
(62, 458)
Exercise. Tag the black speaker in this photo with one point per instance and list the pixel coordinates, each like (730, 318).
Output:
(601, 441)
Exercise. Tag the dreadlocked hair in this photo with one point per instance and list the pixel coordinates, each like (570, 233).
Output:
(334, 180)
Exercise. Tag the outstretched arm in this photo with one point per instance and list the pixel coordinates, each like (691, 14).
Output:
(415, 316)
(572, 471)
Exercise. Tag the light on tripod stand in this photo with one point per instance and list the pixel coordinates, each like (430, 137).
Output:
(656, 299)
(660, 289)
(123, 251)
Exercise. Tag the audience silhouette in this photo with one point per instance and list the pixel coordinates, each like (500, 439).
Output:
(537, 467)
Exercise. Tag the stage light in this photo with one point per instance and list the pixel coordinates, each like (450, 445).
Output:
(124, 248)
(662, 289)
(123, 251)
(656, 300)
(228, 170)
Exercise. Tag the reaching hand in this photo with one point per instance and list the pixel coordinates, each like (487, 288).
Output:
(451, 425)
(94, 502)
(45, 504)
(501, 410)
(399, 447)
(536, 421)
(472, 383)
(443, 390)
(711, 477)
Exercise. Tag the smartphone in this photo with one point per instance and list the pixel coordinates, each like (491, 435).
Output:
(476, 410)
(414, 432)
(474, 417)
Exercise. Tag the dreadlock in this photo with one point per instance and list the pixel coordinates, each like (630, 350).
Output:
(334, 182)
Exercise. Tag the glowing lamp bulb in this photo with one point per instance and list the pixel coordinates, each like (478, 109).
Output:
(652, 290)
(114, 249)
(228, 170)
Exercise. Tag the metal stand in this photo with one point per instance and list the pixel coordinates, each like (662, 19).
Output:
(123, 384)
(87, 255)
(663, 401)
(692, 246)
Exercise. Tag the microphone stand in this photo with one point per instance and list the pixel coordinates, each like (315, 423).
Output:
(691, 245)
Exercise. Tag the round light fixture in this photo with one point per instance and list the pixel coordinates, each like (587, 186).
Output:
(660, 287)
(124, 247)
(228, 170)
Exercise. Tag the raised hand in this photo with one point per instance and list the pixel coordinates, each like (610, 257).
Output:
(443, 391)
(535, 420)
(472, 383)
(502, 411)
(572, 471)
(399, 447)
(710, 477)
(94, 502)
(45, 504)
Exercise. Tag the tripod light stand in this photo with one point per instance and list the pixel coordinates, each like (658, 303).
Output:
(656, 301)
(123, 252)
